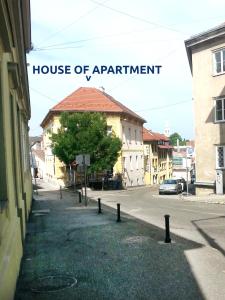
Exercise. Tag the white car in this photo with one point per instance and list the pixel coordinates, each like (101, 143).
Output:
(170, 186)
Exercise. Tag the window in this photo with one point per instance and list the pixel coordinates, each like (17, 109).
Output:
(131, 166)
(124, 136)
(219, 61)
(124, 164)
(24, 144)
(135, 135)
(109, 130)
(13, 118)
(142, 165)
(141, 137)
(220, 156)
(129, 135)
(3, 182)
(220, 110)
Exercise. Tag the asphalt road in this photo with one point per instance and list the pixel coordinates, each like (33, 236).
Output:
(200, 222)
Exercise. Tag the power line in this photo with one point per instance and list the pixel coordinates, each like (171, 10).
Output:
(164, 106)
(60, 48)
(124, 81)
(137, 111)
(107, 44)
(136, 17)
(51, 47)
(40, 93)
(94, 38)
(69, 25)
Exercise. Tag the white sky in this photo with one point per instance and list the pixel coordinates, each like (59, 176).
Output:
(144, 32)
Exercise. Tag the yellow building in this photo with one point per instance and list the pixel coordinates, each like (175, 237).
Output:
(158, 157)
(126, 124)
(206, 54)
(15, 177)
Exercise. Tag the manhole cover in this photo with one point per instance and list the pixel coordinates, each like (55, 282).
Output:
(52, 283)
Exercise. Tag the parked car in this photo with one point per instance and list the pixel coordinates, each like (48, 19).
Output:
(170, 186)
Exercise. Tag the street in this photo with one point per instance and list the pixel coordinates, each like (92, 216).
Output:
(200, 222)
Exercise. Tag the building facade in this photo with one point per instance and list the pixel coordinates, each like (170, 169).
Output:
(157, 157)
(122, 121)
(37, 157)
(206, 54)
(183, 162)
(15, 176)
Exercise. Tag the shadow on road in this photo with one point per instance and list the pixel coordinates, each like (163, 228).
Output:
(109, 260)
(206, 236)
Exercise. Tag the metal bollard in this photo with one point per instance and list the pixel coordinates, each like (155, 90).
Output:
(99, 206)
(118, 213)
(167, 225)
(60, 190)
(79, 197)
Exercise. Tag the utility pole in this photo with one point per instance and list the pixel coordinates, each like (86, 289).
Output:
(187, 167)
(85, 180)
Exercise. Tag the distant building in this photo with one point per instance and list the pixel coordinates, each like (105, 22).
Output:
(184, 161)
(206, 54)
(15, 175)
(157, 157)
(126, 124)
(167, 130)
(37, 157)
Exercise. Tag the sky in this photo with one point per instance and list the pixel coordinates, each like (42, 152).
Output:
(115, 32)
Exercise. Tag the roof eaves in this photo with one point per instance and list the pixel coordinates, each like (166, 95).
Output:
(47, 117)
(203, 37)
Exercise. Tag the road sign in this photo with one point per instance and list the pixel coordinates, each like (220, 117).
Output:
(83, 159)
(189, 152)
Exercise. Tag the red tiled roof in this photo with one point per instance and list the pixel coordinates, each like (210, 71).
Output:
(149, 136)
(92, 100)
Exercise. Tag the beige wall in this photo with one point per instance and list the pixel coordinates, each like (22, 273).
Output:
(132, 153)
(131, 147)
(207, 133)
(55, 171)
(160, 167)
(15, 176)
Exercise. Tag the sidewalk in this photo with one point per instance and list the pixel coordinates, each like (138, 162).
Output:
(72, 252)
(211, 199)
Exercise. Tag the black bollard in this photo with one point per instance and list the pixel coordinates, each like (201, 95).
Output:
(60, 190)
(79, 197)
(167, 225)
(118, 213)
(99, 206)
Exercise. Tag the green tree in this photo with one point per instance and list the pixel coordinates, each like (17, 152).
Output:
(176, 136)
(86, 133)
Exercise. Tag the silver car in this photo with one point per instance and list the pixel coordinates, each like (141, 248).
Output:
(170, 186)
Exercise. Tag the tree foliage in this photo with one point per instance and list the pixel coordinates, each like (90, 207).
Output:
(176, 136)
(86, 133)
